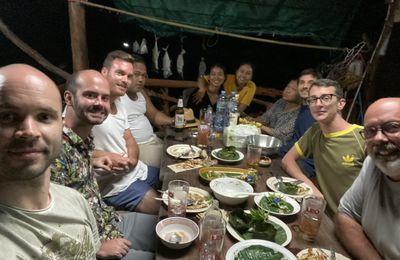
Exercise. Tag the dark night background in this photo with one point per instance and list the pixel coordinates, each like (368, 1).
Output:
(44, 26)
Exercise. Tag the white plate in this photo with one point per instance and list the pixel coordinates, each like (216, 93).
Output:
(272, 181)
(178, 149)
(215, 152)
(272, 219)
(194, 190)
(236, 248)
(296, 206)
(318, 250)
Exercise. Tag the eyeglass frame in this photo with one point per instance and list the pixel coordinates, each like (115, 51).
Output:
(314, 99)
(381, 128)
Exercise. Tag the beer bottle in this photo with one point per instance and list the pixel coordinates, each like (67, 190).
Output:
(179, 116)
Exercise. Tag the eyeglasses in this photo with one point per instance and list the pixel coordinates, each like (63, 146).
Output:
(325, 99)
(388, 128)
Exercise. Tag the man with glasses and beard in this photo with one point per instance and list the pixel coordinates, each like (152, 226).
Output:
(368, 218)
(336, 146)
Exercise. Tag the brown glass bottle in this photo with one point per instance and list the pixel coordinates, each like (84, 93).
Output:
(179, 116)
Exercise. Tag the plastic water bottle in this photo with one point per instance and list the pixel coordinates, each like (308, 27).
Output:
(233, 110)
(208, 118)
(220, 115)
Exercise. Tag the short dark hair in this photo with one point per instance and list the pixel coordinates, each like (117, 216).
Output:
(311, 72)
(138, 59)
(252, 66)
(218, 65)
(117, 54)
(326, 83)
(72, 82)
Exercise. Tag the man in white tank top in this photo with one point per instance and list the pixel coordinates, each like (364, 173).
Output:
(142, 114)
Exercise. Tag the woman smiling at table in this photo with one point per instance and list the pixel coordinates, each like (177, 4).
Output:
(215, 81)
(241, 83)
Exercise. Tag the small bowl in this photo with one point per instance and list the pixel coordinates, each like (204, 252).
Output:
(269, 144)
(185, 228)
(265, 161)
(225, 190)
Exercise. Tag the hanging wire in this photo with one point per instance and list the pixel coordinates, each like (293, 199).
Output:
(206, 30)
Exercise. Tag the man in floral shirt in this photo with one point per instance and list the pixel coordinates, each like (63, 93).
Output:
(87, 100)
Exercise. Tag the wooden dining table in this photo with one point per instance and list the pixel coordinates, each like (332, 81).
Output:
(326, 236)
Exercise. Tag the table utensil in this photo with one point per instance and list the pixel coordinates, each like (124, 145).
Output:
(177, 232)
(274, 184)
(224, 190)
(183, 151)
(215, 154)
(199, 200)
(308, 253)
(269, 144)
(294, 204)
(284, 233)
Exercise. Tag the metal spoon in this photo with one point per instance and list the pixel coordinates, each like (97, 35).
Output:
(175, 238)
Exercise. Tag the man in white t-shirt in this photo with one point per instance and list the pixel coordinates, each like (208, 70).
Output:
(130, 184)
(39, 219)
(141, 112)
(368, 219)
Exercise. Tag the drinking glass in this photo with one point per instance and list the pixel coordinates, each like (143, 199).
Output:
(253, 155)
(312, 212)
(178, 191)
(203, 132)
(212, 234)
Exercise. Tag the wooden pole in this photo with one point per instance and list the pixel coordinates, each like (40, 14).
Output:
(31, 52)
(77, 28)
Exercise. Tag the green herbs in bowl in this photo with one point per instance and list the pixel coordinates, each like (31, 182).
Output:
(228, 153)
(276, 203)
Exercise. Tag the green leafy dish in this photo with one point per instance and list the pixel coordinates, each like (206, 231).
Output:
(256, 224)
(228, 153)
(276, 203)
(258, 252)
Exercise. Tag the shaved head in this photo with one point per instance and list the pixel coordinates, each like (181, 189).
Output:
(30, 122)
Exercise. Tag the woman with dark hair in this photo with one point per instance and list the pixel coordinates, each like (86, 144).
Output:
(212, 89)
(241, 83)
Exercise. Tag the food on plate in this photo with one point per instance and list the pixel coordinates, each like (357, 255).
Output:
(291, 188)
(313, 254)
(258, 252)
(245, 121)
(265, 161)
(276, 203)
(249, 176)
(196, 163)
(255, 225)
(228, 153)
(189, 116)
(198, 201)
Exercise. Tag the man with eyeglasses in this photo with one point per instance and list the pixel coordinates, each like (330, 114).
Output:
(336, 146)
(141, 112)
(368, 219)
